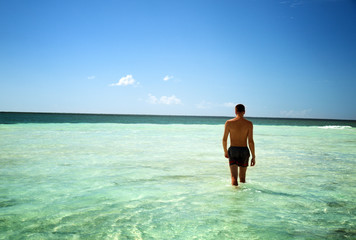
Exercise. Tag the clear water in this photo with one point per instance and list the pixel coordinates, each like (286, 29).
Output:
(171, 181)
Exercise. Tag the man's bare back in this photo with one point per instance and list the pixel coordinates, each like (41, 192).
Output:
(241, 133)
(239, 129)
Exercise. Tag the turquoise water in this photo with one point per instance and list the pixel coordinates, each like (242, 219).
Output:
(171, 181)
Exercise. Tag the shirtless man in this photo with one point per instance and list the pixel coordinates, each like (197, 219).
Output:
(241, 132)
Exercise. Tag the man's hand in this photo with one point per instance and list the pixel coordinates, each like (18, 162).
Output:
(226, 155)
(253, 161)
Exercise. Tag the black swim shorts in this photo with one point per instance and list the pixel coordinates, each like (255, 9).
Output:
(239, 156)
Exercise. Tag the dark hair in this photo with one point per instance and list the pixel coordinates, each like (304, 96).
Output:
(240, 108)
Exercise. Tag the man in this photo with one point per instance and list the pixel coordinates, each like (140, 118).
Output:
(241, 132)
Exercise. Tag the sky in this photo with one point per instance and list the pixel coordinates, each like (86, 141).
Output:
(287, 58)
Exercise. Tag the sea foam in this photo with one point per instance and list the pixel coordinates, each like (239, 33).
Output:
(335, 127)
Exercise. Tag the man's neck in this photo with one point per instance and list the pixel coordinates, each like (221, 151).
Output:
(239, 116)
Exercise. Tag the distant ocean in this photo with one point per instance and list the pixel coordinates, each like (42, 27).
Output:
(92, 176)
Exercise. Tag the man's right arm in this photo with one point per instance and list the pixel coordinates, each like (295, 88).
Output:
(251, 144)
(224, 141)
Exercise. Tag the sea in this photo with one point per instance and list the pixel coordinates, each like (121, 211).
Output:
(97, 176)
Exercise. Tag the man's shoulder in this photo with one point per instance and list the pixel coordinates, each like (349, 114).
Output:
(248, 121)
(230, 121)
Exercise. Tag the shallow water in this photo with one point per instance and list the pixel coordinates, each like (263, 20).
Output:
(171, 181)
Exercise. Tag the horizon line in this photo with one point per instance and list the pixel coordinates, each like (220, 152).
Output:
(174, 115)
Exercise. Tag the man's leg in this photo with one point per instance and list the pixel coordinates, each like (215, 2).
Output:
(234, 172)
(243, 174)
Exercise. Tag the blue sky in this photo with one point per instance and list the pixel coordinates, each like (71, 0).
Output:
(280, 58)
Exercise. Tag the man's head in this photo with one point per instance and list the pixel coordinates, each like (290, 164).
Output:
(240, 109)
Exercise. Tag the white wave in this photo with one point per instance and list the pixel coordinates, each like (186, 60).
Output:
(335, 127)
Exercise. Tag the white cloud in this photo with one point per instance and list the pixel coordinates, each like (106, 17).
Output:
(295, 114)
(163, 100)
(167, 77)
(152, 99)
(91, 77)
(229, 104)
(125, 81)
(170, 100)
